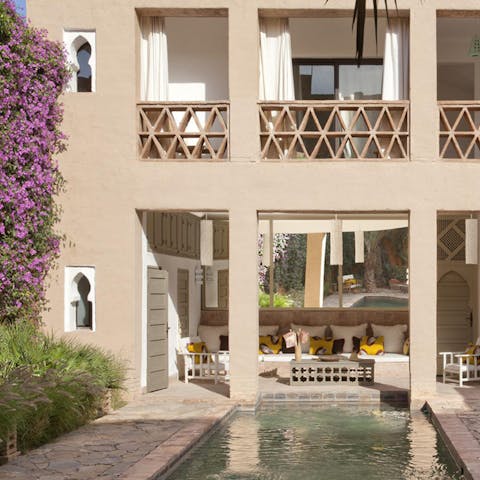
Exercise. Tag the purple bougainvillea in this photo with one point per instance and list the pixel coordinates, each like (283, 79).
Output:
(33, 74)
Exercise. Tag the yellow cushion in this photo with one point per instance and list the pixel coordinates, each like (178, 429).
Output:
(198, 347)
(472, 350)
(371, 345)
(406, 347)
(321, 346)
(269, 344)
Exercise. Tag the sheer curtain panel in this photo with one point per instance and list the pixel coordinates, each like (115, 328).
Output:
(276, 70)
(154, 60)
(396, 60)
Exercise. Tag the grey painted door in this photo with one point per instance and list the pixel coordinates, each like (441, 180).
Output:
(182, 301)
(454, 328)
(157, 329)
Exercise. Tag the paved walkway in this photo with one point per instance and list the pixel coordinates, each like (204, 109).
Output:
(153, 432)
(456, 413)
(110, 447)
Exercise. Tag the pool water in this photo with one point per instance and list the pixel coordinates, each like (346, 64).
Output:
(381, 302)
(315, 442)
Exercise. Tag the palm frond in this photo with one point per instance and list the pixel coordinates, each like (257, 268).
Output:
(358, 22)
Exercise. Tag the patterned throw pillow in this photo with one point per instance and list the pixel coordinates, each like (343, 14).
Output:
(406, 347)
(269, 344)
(369, 345)
(472, 350)
(321, 346)
(198, 347)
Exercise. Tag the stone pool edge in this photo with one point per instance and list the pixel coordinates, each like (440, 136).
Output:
(460, 442)
(163, 458)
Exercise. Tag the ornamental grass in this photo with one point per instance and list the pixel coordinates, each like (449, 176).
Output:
(49, 385)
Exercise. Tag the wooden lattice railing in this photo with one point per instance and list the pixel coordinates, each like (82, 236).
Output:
(326, 130)
(183, 131)
(459, 130)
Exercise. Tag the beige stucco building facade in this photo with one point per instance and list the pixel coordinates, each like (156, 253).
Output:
(108, 186)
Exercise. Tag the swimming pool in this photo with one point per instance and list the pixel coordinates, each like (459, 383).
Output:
(381, 302)
(315, 442)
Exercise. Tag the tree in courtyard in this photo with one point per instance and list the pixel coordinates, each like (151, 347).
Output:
(33, 74)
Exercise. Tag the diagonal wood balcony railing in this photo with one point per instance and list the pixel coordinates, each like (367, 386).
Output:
(176, 131)
(334, 130)
(459, 130)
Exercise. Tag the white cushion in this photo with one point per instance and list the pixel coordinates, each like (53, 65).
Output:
(347, 332)
(268, 330)
(312, 330)
(211, 335)
(393, 336)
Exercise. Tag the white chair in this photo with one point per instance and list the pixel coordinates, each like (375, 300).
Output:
(205, 365)
(458, 369)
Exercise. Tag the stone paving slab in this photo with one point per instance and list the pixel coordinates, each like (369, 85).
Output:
(456, 414)
(110, 446)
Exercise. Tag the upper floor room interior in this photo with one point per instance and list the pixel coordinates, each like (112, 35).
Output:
(301, 58)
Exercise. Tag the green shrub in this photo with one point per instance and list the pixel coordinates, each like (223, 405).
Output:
(279, 301)
(50, 386)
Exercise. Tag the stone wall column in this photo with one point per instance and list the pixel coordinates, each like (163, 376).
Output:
(243, 81)
(243, 305)
(424, 124)
(423, 303)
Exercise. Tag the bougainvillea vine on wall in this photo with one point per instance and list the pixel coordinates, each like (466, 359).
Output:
(33, 74)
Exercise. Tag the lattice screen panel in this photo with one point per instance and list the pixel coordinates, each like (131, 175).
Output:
(451, 239)
(459, 130)
(173, 131)
(334, 130)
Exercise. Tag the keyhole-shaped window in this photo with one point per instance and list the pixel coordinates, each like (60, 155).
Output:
(81, 57)
(84, 74)
(82, 305)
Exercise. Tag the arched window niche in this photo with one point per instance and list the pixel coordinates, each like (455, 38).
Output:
(81, 52)
(79, 298)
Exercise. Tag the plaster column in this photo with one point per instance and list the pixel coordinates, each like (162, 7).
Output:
(243, 81)
(243, 301)
(424, 142)
(314, 270)
(423, 304)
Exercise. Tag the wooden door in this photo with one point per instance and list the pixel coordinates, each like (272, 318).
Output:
(223, 289)
(157, 329)
(454, 323)
(183, 293)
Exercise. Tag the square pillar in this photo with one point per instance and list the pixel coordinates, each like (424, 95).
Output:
(243, 81)
(424, 142)
(243, 305)
(423, 303)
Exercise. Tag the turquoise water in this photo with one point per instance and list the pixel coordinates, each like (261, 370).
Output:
(312, 442)
(381, 302)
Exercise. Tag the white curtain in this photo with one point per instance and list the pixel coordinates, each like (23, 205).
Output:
(276, 70)
(396, 61)
(154, 60)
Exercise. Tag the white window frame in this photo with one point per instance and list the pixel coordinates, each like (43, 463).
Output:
(70, 295)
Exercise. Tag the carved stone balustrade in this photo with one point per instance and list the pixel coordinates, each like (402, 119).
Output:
(176, 131)
(459, 130)
(334, 130)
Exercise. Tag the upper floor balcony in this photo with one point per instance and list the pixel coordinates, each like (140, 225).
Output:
(314, 102)
(458, 86)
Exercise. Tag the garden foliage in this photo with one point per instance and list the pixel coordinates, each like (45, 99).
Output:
(33, 74)
(49, 386)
